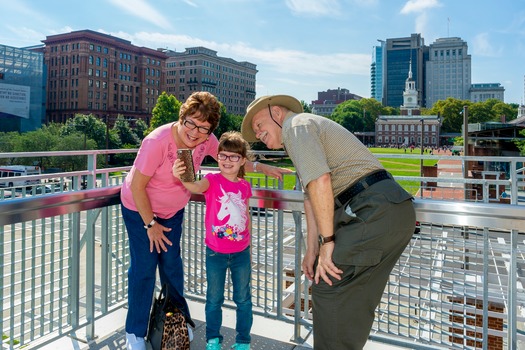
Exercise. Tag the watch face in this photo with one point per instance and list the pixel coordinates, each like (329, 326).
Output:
(409, 99)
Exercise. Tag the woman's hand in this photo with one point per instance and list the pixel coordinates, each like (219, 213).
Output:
(157, 239)
(178, 168)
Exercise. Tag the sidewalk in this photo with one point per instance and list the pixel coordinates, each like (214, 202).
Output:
(447, 168)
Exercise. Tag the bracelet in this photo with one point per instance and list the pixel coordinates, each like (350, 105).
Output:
(255, 166)
(153, 221)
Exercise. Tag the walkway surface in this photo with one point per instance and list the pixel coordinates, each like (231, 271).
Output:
(267, 334)
(447, 168)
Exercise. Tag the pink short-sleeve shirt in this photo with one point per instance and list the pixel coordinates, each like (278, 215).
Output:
(155, 158)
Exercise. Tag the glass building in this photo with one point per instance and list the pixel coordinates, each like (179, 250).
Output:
(22, 89)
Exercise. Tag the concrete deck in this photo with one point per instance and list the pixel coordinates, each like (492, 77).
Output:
(267, 334)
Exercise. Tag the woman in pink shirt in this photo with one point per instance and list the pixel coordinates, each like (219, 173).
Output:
(153, 204)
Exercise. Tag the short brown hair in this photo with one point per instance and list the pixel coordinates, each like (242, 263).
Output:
(232, 141)
(206, 104)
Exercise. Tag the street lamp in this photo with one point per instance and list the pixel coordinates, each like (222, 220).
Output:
(422, 135)
(465, 140)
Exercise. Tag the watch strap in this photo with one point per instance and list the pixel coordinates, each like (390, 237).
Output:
(152, 222)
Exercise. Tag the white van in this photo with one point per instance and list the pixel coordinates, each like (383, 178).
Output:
(13, 171)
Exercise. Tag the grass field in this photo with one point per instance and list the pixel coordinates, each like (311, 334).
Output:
(396, 166)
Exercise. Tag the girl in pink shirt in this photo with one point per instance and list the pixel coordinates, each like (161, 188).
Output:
(227, 238)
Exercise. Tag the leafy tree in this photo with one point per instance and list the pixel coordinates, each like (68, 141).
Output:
(306, 107)
(228, 122)
(480, 112)
(451, 111)
(350, 115)
(140, 129)
(124, 133)
(90, 127)
(166, 110)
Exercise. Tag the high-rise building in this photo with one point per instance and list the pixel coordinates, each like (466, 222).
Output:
(377, 71)
(200, 69)
(448, 71)
(94, 73)
(398, 54)
(22, 83)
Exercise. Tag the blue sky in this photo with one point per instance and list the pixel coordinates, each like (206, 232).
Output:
(300, 47)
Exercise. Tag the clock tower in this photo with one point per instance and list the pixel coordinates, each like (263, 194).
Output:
(410, 95)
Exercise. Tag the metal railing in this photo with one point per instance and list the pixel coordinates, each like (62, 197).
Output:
(459, 283)
(64, 262)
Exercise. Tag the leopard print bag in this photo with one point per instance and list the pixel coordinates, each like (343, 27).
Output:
(168, 323)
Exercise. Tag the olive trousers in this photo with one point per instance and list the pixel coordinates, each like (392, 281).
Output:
(372, 231)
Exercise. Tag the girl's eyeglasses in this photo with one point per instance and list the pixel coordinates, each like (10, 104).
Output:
(233, 157)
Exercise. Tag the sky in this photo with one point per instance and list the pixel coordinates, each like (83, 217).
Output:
(300, 47)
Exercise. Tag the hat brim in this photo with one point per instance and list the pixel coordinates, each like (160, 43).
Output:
(257, 105)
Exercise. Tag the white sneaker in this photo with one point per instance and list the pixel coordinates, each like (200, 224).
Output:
(190, 332)
(135, 343)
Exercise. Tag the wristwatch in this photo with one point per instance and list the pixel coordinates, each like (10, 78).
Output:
(153, 221)
(323, 240)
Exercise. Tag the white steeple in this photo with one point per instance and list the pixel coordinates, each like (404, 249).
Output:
(410, 93)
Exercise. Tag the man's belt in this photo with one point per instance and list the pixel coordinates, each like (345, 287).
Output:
(360, 186)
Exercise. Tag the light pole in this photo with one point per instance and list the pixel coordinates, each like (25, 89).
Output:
(422, 135)
(465, 140)
(107, 138)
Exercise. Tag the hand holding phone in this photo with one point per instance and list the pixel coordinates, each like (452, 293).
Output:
(185, 154)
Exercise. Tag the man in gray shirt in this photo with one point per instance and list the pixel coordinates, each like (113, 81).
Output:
(359, 220)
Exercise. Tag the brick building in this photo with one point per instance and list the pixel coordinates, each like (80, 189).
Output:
(94, 73)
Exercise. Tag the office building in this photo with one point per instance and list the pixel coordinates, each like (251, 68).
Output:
(22, 86)
(483, 92)
(94, 73)
(376, 72)
(448, 71)
(398, 54)
(328, 100)
(201, 69)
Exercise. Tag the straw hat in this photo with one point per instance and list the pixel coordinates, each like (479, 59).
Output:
(262, 102)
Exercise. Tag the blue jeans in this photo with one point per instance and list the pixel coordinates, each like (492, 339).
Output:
(143, 268)
(241, 275)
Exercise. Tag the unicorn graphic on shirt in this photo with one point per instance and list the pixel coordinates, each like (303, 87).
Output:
(233, 206)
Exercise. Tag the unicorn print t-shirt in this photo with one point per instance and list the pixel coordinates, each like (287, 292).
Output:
(227, 220)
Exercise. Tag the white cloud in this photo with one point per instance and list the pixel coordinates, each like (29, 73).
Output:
(287, 62)
(141, 9)
(417, 6)
(314, 7)
(482, 46)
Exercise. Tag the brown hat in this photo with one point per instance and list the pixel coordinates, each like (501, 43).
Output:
(263, 102)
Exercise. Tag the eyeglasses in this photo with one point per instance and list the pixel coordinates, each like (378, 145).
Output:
(191, 125)
(233, 157)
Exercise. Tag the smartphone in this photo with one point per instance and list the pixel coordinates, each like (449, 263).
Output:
(185, 154)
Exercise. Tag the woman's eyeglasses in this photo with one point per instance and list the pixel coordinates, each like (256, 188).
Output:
(233, 157)
(191, 125)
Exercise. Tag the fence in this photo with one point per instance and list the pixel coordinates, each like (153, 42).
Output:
(459, 283)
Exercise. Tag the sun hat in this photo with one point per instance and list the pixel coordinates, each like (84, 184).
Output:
(258, 104)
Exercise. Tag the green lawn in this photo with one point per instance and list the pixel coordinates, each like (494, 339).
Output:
(396, 166)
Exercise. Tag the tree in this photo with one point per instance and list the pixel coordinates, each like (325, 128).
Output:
(90, 127)
(166, 110)
(451, 112)
(227, 122)
(306, 107)
(350, 115)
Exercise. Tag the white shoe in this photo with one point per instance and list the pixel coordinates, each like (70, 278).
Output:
(135, 343)
(190, 333)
